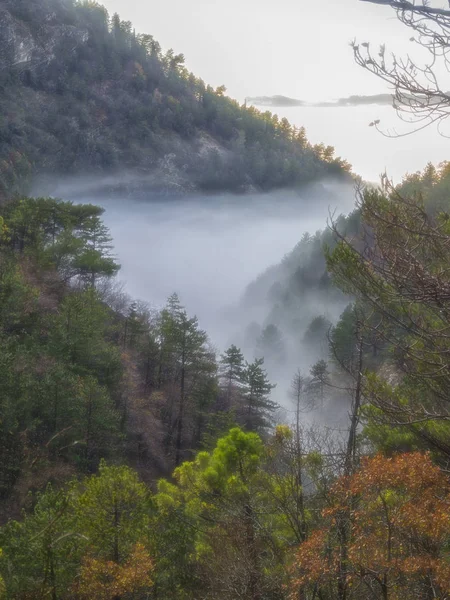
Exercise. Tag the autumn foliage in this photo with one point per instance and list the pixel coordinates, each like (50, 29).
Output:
(398, 532)
(104, 580)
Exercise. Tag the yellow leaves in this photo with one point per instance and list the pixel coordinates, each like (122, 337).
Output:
(283, 433)
(104, 580)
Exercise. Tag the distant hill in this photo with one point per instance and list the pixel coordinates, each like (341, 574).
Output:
(275, 101)
(80, 92)
(285, 101)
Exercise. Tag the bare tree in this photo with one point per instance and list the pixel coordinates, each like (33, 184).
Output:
(420, 90)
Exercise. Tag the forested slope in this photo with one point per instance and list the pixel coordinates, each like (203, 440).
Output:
(81, 93)
(136, 462)
(101, 396)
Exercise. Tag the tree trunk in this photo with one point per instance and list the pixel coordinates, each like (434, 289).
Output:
(53, 576)
(88, 429)
(180, 411)
(349, 467)
(254, 575)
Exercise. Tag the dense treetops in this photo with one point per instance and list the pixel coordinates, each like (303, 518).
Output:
(81, 92)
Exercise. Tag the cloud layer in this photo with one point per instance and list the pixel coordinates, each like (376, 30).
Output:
(285, 101)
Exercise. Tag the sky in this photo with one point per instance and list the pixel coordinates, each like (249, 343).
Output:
(295, 48)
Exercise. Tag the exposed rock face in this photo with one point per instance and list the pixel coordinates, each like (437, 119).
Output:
(16, 41)
(28, 47)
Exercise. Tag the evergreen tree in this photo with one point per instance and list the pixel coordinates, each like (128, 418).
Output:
(186, 361)
(231, 372)
(95, 260)
(316, 336)
(343, 342)
(258, 410)
(112, 512)
(319, 380)
(270, 346)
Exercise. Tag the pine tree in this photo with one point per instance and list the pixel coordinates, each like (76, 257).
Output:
(190, 348)
(270, 346)
(258, 409)
(186, 361)
(319, 379)
(231, 372)
(95, 259)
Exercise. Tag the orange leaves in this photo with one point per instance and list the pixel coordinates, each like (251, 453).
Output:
(314, 562)
(387, 525)
(407, 493)
(413, 471)
(104, 580)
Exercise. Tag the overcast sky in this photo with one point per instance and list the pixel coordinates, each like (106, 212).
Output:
(296, 48)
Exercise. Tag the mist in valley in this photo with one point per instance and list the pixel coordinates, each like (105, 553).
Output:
(226, 256)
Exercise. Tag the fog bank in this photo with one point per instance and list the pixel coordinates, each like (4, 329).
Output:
(209, 248)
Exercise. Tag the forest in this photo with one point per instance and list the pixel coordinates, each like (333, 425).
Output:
(82, 93)
(137, 460)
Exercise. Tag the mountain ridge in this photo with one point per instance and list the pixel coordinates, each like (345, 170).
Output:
(83, 94)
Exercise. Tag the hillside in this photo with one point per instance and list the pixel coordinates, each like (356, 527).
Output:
(81, 93)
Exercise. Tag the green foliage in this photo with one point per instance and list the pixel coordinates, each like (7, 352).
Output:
(231, 376)
(112, 512)
(58, 363)
(216, 495)
(104, 517)
(343, 339)
(41, 552)
(397, 268)
(186, 362)
(258, 409)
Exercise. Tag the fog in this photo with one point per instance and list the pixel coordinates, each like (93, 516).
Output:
(208, 249)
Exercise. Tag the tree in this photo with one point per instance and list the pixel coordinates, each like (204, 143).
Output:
(41, 552)
(218, 495)
(299, 393)
(231, 371)
(258, 409)
(398, 269)
(190, 347)
(319, 380)
(270, 346)
(316, 336)
(94, 260)
(97, 424)
(187, 359)
(342, 338)
(397, 547)
(133, 326)
(106, 580)
(112, 512)
(420, 95)
(84, 540)
(287, 478)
